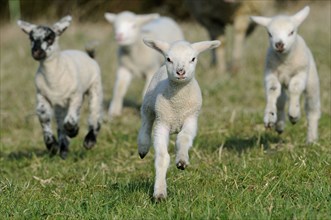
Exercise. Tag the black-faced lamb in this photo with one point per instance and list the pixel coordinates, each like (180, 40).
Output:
(289, 66)
(172, 104)
(134, 58)
(62, 80)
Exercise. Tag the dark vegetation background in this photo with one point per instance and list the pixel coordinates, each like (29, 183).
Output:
(93, 10)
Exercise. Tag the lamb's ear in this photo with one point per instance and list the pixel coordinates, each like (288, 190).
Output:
(205, 45)
(110, 17)
(300, 16)
(158, 45)
(25, 26)
(60, 26)
(264, 21)
(143, 19)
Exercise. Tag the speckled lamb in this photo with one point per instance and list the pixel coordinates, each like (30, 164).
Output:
(62, 80)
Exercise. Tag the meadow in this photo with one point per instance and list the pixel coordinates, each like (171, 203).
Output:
(238, 170)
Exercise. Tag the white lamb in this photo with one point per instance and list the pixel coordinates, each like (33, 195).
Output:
(62, 80)
(172, 103)
(290, 65)
(135, 59)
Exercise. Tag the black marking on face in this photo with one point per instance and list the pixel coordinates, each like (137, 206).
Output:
(42, 38)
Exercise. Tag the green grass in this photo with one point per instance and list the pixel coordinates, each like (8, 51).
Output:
(238, 170)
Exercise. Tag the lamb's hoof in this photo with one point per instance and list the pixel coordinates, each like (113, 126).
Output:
(63, 154)
(293, 120)
(142, 155)
(71, 129)
(90, 140)
(279, 131)
(52, 146)
(159, 197)
(181, 165)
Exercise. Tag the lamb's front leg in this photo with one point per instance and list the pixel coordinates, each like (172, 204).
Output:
(162, 160)
(71, 120)
(280, 125)
(184, 141)
(44, 112)
(144, 136)
(123, 79)
(272, 90)
(295, 88)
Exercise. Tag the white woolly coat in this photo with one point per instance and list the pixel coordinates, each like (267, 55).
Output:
(171, 102)
(69, 74)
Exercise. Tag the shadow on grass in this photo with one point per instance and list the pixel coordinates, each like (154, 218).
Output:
(25, 154)
(34, 152)
(143, 185)
(241, 144)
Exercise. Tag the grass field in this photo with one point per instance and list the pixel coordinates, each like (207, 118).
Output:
(238, 170)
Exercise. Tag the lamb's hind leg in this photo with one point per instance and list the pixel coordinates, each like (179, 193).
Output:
(44, 112)
(184, 142)
(60, 114)
(95, 104)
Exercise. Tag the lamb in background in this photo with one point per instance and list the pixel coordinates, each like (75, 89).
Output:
(289, 66)
(62, 80)
(134, 58)
(172, 103)
(215, 15)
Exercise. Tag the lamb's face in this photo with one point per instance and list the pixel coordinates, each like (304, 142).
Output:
(282, 34)
(126, 29)
(181, 60)
(44, 39)
(42, 42)
(282, 29)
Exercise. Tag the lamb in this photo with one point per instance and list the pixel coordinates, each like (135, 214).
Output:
(62, 80)
(134, 58)
(172, 103)
(215, 15)
(289, 66)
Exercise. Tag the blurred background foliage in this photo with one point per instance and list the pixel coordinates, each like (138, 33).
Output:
(93, 10)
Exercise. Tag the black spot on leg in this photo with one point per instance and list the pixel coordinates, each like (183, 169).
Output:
(71, 129)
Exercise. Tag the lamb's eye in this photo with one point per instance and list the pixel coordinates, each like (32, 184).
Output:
(193, 59)
(290, 34)
(169, 60)
(269, 34)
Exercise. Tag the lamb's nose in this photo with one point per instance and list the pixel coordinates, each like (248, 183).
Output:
(180, 72)
(279, 45)
(119, 36)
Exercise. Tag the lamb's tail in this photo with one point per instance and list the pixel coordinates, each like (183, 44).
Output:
(90, 48)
